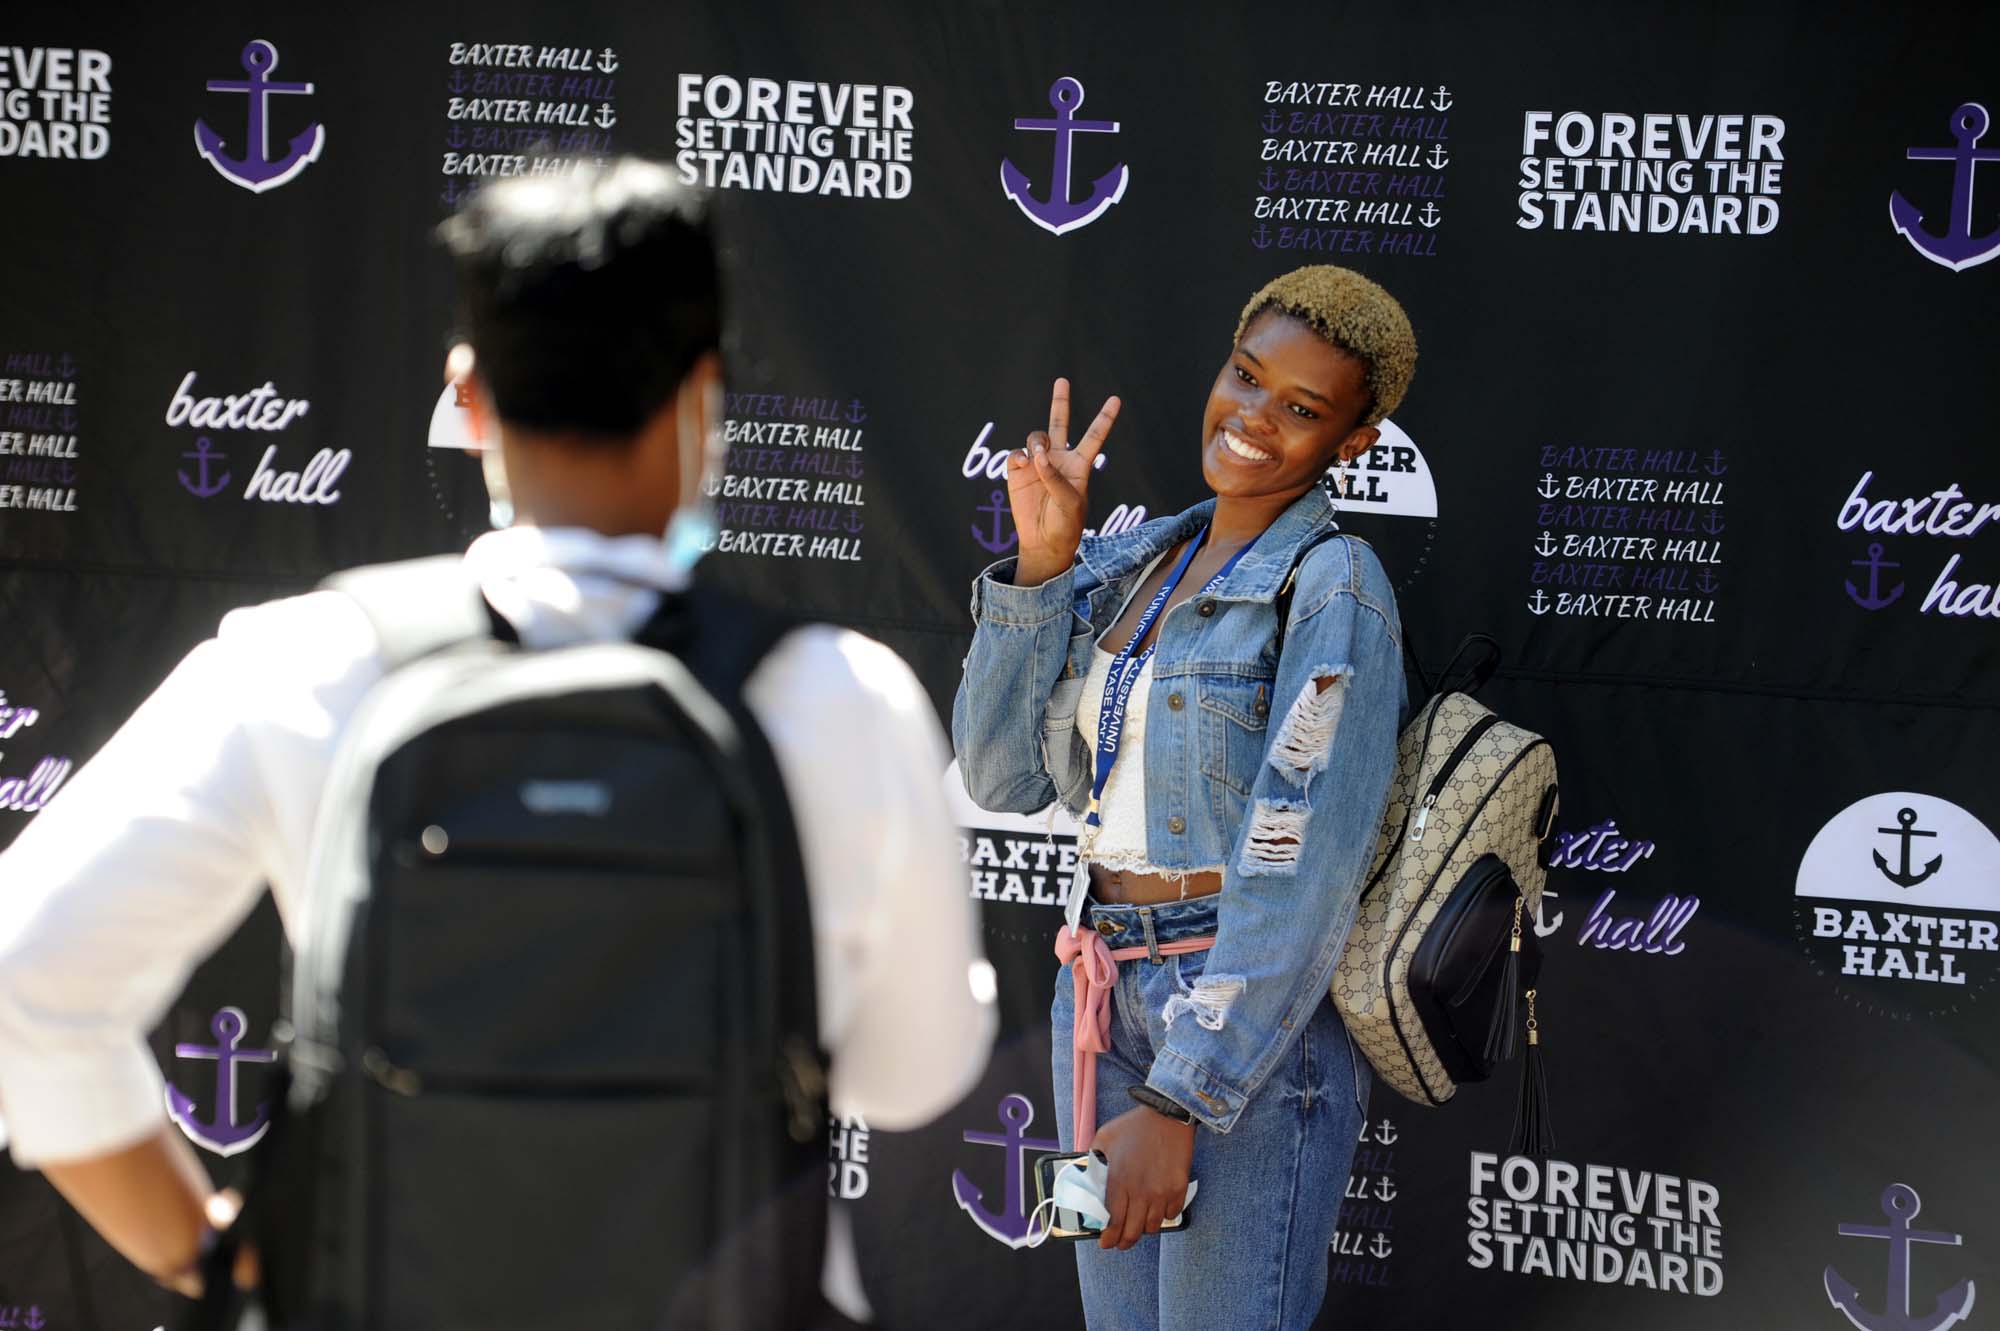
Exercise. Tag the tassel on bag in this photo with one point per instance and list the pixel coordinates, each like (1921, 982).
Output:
(1507, 1012)
(1534, 1134)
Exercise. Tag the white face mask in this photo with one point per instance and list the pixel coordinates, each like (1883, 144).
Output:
(691, 531)
(499, 499)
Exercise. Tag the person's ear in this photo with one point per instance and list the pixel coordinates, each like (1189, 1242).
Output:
(1358, 442)
(704, 381)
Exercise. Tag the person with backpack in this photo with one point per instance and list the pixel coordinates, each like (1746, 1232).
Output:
(1230, 798)
(583, 865)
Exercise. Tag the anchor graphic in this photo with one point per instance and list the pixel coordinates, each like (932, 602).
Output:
(854, 522)
(257, 171)
(1381, 1246)
(999, 509)
(1539, 602)
(1547, 486)
(224, 1136)
(1269, 180)
(1543, 926)
(1546, 545)
(1057, 214)
(1271, 122)
(1010, 1226)
(1261, 237)
(1907, 834)
(1900, 1205)
(1385, 1133)
(1439, 157)
(66, 367)
(1706, 582)
(857, 411)
(459, 83)
(1874, 564)
(455, 139)
(34, 1321)
(607, 61)
(1957, 249)
(1442, 98)
(452, 193)
(203, 455)
(67, 419)
(606, 117)
(1430, 215)
(1716, 466)
(1385, 1189)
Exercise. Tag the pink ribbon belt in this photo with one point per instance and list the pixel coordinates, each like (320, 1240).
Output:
(1094, 964)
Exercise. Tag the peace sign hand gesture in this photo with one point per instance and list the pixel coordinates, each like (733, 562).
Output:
(1048, 485)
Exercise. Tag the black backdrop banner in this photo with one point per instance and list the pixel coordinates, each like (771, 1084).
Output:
(1702, 432)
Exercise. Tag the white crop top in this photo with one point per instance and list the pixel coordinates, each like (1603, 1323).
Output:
(1120, 842)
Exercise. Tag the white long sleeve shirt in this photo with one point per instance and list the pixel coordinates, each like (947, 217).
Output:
(158, 847)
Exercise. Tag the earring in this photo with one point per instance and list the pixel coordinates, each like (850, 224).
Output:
(1336, 485)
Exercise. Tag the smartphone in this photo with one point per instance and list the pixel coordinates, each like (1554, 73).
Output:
(1071, 1225)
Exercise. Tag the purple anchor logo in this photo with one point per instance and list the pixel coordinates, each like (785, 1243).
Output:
(257, 171)
(999, 542)
(1957, 249)
(224, 1135)
(1056, 213)
(1010, 1225)
(204, 453)
(1874, 600)
(1900, 1205)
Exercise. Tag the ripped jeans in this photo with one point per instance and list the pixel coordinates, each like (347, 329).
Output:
(1254, 1255)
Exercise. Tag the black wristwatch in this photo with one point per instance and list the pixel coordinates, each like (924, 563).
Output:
(1161, 1104)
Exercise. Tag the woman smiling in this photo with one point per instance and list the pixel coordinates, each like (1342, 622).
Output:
(1230, 799)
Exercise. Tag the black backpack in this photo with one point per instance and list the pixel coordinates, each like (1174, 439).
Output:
(553, 1045)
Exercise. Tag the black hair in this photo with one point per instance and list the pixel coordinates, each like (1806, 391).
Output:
(588, 292)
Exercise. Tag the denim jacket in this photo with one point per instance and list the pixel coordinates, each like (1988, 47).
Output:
(1250, 767)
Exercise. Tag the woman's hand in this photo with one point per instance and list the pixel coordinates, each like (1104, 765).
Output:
(1146, 1180)
(1048, 484)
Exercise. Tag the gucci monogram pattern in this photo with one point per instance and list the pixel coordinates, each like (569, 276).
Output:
(1421, 875)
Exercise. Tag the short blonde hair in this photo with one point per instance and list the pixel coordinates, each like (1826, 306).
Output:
(1355, 315)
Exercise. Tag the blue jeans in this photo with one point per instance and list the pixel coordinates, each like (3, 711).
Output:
(1254, 1256)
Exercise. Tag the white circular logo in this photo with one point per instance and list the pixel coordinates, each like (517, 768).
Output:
(1898, 899)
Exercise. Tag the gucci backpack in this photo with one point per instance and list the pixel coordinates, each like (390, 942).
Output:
(1437, 980)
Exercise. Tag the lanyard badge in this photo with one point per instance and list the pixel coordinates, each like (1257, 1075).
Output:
(1119, 681)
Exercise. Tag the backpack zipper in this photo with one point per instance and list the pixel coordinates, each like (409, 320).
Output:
(1403, 829)
(1438, 782)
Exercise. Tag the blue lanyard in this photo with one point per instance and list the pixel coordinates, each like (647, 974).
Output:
(1126, 668)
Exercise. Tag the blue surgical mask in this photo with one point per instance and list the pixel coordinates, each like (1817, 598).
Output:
(693, 529)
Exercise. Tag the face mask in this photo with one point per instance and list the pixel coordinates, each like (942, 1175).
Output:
(691, 532)
(499, 498)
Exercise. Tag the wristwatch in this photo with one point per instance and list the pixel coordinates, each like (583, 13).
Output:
(1161, 1104)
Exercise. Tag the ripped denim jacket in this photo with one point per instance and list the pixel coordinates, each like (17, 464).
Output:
(1251, 768)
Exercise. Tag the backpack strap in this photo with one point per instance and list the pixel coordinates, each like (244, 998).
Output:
(722, 639)
(1283, 605)
(419, 606)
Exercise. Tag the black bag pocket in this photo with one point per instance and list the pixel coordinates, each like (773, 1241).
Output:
(1458, 979)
